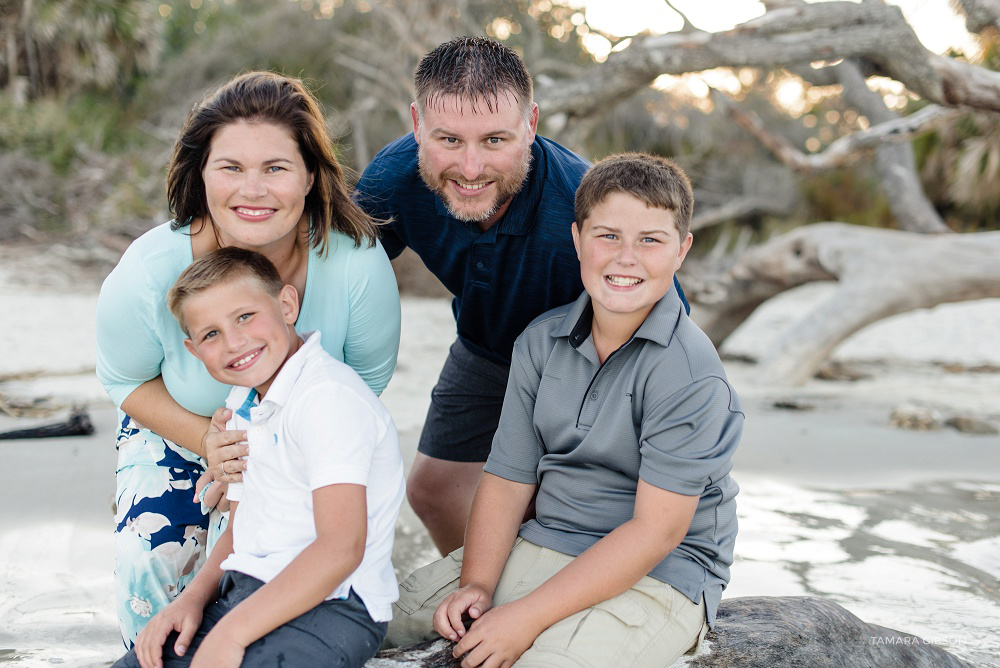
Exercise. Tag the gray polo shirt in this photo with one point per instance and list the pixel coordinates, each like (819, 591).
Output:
(660, 409)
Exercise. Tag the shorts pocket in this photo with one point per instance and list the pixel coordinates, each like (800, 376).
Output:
(429, 585)
(626, 608)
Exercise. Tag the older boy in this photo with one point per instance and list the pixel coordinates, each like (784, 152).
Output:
(619, 420)
(487, 205)
(302, 576)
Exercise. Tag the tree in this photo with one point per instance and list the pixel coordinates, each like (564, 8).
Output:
(65, 45)
(846, 44)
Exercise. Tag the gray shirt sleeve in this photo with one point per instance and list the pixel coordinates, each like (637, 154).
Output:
(517, 446)
(688, 438)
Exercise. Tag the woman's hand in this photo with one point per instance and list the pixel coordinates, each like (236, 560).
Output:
(224, 448)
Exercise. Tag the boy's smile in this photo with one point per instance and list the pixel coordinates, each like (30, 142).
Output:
(241, 333)
(628, 255)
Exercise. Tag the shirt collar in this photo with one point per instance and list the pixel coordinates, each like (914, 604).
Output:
(292, 369)
(658, 327)
(520, 215)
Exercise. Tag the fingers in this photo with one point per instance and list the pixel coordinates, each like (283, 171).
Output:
(443, 620)
(214, 494)
(184, 636)
(203, 480)
(225, 451)
(220, 417)
(149, 647)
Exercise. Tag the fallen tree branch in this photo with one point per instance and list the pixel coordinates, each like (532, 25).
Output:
(761, 632)
(782, 37)
(77, 424)
(844, 150)
(879, 273)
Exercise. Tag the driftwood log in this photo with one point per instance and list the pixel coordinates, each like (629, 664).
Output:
(879, 273)
(77, 424)
(761, 632)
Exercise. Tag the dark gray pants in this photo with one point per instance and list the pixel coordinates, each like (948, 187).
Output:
(334, 633)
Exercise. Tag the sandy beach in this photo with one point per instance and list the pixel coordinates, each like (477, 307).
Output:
(901, 527)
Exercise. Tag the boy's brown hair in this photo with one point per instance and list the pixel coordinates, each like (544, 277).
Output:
(655, 180)
(218, 267)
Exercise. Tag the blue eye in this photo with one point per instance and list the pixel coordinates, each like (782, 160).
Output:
(275, 168)
(209, 335)
(244, 317)
(494, 140)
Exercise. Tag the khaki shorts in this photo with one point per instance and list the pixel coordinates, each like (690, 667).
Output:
(651, 624)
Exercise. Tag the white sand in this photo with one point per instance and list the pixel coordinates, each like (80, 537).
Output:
(898, 526)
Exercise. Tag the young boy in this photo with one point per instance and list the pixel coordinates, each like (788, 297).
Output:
(302, 576)
(620, 423)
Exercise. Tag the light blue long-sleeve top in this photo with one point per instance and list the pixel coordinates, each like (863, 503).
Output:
(351, 297)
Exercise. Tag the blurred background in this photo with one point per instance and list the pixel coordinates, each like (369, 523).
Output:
(846, 164)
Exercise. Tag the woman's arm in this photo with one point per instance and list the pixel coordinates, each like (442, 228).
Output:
(372, 341)
(151, 405)
(340, 513)
(609, 567)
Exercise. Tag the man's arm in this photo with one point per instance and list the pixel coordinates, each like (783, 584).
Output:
(341, 514)
(497, 511)
(609, 567)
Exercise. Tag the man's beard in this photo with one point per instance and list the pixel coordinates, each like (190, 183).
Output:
(507, 185)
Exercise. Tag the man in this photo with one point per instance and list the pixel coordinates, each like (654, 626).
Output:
(488, 207)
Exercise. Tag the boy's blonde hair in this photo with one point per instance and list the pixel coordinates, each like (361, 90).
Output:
(220, 266)
(655, 180)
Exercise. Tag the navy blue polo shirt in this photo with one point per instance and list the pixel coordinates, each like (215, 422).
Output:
(502, 278)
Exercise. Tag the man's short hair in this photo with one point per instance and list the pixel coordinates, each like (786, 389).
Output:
(472, 68)
(221, 266)
(655, 180)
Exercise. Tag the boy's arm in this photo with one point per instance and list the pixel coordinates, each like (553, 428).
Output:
(340, 513)
(685, 435)
(185, 612)
(497, 511)
(609, 567)
(501, 500)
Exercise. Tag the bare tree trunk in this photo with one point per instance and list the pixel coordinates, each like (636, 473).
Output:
(880, 273)
(897, 168)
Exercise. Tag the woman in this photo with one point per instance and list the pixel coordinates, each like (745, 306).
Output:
(253, 167)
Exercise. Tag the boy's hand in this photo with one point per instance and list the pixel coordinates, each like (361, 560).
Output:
(214, 495)
(184, 616)
(498, 638)
(223, 448)
(470, 599)
(218, 651)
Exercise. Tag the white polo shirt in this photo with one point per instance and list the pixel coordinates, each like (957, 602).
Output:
(319, 425)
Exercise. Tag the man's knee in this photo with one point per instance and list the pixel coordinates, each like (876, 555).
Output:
(441, 486)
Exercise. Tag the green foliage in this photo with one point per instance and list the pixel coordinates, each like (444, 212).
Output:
(849, 195)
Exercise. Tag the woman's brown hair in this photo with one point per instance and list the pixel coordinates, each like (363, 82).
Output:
(267, 97)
